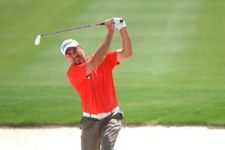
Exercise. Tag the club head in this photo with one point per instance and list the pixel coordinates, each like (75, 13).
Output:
(37, 40)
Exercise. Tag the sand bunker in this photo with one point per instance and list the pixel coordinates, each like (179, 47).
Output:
(130, 138)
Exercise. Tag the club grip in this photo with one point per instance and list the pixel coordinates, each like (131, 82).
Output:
(103, 23)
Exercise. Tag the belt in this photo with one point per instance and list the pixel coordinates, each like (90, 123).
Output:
(101, 115)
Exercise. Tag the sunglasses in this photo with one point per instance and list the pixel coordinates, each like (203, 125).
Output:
(74, 49)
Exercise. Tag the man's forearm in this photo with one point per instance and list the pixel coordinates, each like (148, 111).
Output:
(104, 48)
(126, 42)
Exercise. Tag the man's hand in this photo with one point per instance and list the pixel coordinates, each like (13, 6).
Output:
(119, 25)
(109, 25)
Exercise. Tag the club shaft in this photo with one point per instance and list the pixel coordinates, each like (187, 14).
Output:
(75, 28)
(70, 29)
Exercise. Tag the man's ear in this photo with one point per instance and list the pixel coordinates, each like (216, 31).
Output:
(82, 50)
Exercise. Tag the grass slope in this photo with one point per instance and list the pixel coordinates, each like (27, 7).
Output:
(176, 75)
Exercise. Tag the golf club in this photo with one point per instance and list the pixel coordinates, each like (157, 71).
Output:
(38, 37)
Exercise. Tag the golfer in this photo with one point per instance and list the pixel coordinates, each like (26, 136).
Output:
(91, 77)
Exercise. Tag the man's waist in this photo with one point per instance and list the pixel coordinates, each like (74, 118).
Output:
(103, 115)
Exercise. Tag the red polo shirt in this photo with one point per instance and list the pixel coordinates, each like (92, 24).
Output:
(96, 91)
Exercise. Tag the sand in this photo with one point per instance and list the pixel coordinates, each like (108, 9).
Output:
(130, 138)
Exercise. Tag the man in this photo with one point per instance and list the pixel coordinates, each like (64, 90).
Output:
(92, 79)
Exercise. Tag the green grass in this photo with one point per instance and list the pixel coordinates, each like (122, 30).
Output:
(175, 77)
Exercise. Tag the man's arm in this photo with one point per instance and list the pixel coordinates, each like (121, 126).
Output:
(102, 50)
(126, 50)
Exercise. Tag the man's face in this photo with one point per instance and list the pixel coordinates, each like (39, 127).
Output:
(75, 55)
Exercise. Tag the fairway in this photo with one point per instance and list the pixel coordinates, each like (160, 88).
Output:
(175, 77)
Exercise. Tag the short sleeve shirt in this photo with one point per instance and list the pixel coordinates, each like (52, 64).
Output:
(96, 91)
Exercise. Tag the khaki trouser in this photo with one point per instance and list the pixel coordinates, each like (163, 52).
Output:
(100, 134)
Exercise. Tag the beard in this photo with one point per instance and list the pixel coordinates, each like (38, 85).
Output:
(78, 60)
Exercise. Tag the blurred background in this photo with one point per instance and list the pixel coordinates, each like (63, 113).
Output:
(175, 77)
